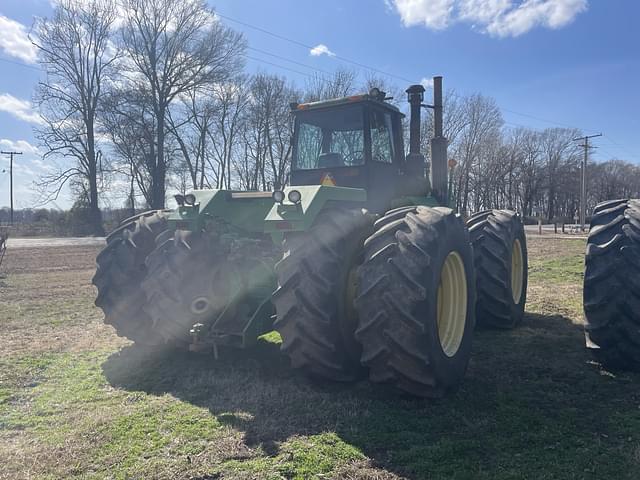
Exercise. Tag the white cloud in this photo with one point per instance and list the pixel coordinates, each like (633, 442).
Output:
(19, 146)
(321, 49)
(27, 168)
(15, 42)
(550, 14)
(426, 82)
(29, 165)
(435, 14)
(21, 109)
(499, 18)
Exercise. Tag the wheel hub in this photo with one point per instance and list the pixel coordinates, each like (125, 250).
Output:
(199, 305)
(452, 304)
(517, 271)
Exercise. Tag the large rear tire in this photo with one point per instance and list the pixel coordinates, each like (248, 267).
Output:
(314, 299)
(612, 284)
(500, 258)
(189, 282)
(416, 300)
(120, 271)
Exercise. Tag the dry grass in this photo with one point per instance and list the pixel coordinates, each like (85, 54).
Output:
(76, 401)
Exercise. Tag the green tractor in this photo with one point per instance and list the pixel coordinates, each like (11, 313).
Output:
(359, 264)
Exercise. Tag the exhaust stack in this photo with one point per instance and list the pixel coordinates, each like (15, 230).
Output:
(438, 147)
(415, 162)
(415, 94)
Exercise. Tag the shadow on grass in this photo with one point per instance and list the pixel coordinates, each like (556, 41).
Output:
(532, 406)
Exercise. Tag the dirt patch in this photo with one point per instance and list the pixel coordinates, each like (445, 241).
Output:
(46, 302)
(541, 247)
(48, 259)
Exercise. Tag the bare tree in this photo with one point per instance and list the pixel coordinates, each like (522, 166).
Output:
(558, 151)
(190, 124)
(613, 179)
(321, 87)
(270, 117)
(130, 125)
(77, 56)
(482, 127)
(231, 99)
(172, 48)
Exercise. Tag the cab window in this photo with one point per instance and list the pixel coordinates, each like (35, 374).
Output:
(381, 137)
(330, 138)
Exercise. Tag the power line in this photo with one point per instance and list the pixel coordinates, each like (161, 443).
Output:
(279, 66)
(608, 137)
(551, 122)
(539, 130)
(547, 121)
(310, 47)
(280, 57)
(20, 64)
(347, 60)
(368, 67)
(608, 153)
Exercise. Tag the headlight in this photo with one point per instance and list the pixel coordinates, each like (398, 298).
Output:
(294, 196)
(190, 199)
(278, 196)
(179, 199)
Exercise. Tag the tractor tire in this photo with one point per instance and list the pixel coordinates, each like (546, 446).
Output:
(416, 302)
(612, 285)
(500, 258)
(187, 283)
(120, 271)
(314, 299)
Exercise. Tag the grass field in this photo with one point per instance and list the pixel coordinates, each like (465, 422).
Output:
(76, 401)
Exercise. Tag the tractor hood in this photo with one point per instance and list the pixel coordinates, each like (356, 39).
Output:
(257, 212)
(242, 210)
(293, 217)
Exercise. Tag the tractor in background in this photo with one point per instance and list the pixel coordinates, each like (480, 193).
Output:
(359, 263)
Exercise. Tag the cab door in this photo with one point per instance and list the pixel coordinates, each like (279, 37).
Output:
(382, 155)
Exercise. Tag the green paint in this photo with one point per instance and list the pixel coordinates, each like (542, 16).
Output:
(288, 217)
(240, 210)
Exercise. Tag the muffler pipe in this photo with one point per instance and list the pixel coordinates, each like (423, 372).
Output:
(439, 143)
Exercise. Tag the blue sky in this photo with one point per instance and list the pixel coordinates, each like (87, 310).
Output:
(546, 62)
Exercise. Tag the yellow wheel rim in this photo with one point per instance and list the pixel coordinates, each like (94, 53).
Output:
(517, 271)
(452, 304)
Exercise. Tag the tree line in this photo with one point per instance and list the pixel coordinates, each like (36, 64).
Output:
(142, 97)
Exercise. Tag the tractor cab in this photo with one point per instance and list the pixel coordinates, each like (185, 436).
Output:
(349, 142)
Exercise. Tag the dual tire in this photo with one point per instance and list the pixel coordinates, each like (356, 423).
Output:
(189, 282)
(120, 272)
(413, 295)
(612, 285)
(416, 300)
(316, 285)
(501, 263)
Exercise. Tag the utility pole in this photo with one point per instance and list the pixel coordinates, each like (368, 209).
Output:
(11, 154)
(583, 187)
